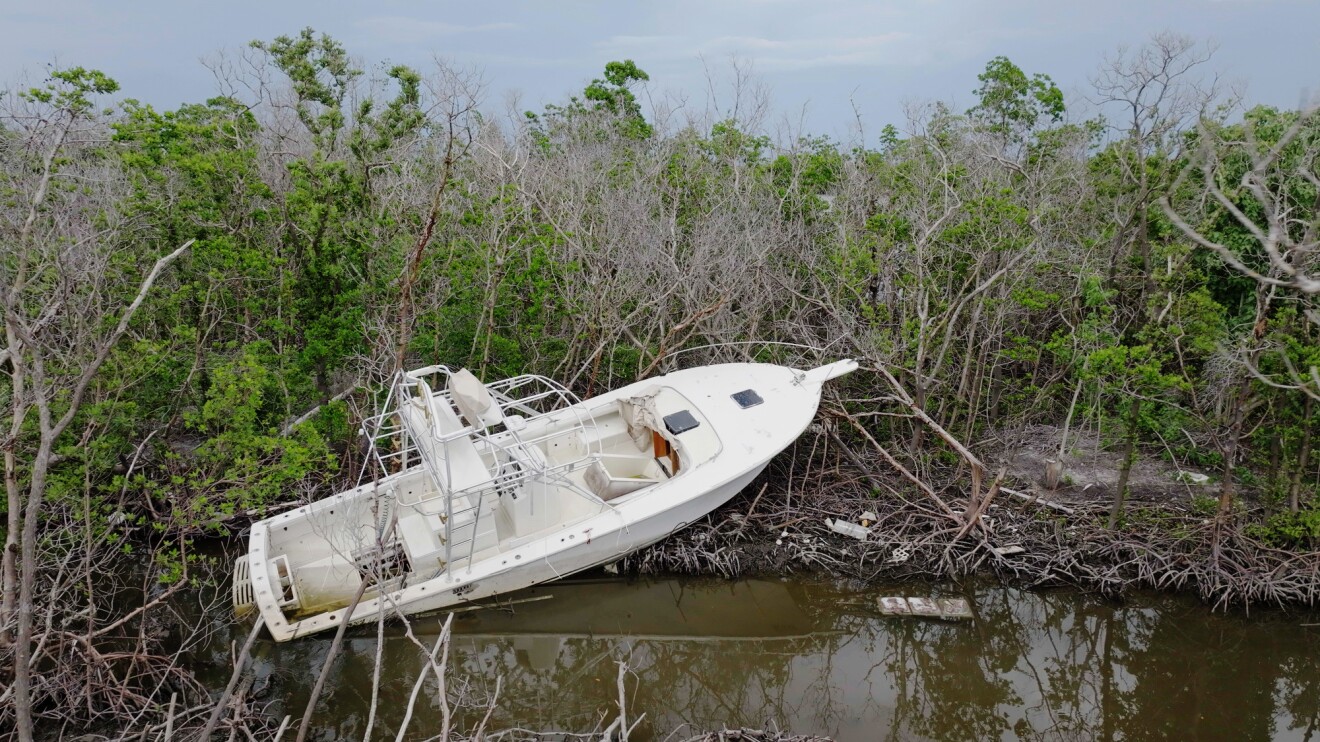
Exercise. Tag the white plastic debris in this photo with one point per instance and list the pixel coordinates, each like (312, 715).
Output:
(899, 556)
(947, 608)
(1009, 550)
(1192, 477)
(954, 608)
(923, 607)
(848, 529)
(894, 606)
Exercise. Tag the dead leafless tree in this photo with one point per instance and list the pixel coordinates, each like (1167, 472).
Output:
(67, 302)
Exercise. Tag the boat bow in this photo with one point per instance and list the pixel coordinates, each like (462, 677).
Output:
(822, 374)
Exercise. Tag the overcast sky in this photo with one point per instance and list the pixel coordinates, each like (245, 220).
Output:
(820, 57)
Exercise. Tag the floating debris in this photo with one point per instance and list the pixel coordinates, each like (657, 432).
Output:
(955, 608)
(894, 606)
(1009, 550)
(923, 607)
(949, 608)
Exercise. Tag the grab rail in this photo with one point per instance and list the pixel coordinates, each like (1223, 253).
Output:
(545, 410)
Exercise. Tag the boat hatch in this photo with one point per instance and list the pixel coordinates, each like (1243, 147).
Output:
(747, 398)
(680, 422)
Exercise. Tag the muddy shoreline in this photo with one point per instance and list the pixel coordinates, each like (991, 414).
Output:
(1027, 536)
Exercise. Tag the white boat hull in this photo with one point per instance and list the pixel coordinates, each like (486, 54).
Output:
(748, 437)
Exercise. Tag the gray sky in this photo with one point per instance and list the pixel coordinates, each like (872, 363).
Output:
(813, 56)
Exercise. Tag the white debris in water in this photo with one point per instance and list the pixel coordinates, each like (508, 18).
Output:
(954, 608)
(949, 608)
(894, 606)
(923, 607)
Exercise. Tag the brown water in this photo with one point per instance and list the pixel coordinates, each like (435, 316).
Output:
(818, 657)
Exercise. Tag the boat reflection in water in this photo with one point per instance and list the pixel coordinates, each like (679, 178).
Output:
(556, 647)
(555, 616)
(818, 657)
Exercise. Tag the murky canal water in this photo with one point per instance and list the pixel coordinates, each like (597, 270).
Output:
(818, 657)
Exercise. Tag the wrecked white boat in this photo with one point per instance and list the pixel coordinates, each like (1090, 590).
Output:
(489, 488)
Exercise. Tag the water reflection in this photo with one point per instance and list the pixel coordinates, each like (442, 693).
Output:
(818, 657)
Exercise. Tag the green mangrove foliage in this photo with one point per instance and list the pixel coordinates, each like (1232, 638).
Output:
(1018, 266)
(201, 304)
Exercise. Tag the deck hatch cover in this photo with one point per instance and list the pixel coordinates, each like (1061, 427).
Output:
(747, 398)
(680, 422)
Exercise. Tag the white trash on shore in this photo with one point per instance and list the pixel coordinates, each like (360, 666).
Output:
(848, 528)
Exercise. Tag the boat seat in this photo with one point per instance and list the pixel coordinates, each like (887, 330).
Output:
(457, 463)
(613, 475)
(474, 400)
(639, 418)
(420, 532)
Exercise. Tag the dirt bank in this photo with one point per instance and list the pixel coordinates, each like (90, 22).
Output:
(1088, 473)
(1028, 535)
